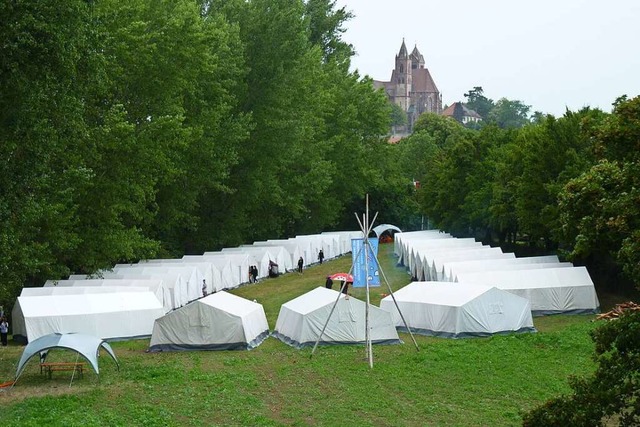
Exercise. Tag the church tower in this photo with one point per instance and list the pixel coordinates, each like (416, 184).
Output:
(411, 86)
(401, 76)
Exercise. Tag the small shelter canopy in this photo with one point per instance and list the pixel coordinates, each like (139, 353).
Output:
(86, 345)
(385, 227)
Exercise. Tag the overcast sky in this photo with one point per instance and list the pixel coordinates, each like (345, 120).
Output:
(549, 54)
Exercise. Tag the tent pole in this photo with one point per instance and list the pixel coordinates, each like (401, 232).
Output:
(396, 304)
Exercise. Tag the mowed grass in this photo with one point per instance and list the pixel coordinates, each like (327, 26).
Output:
(465, 382)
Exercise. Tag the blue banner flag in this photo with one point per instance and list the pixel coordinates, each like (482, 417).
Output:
(358, 259)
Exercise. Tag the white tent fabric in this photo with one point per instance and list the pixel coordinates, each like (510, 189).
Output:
(238, 265)
(437, 272)
(549, 290)
(209, 271)
(86, 345)
(110, 316)
(421, 256)
(190, 277)
(260, 254)
(278, 254)
(456, 310)
(451, 269)
(344, 239)
(403, 241)
(292, 248)
(379, 229)
(221, 321)
(301, 320)
(157, 286)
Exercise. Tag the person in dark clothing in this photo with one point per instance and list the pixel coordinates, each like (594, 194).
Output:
(320, 256)
(254, 273)
(300, 264)
(329, 283)
(345, 288)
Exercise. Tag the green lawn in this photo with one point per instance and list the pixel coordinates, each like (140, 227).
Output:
(466, 382)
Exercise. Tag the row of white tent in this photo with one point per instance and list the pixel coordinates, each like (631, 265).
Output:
(550, 286)
(124, 302)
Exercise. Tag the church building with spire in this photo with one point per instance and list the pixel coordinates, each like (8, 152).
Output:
(411, 86)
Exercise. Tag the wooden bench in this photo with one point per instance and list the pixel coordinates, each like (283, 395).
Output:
(49, 367)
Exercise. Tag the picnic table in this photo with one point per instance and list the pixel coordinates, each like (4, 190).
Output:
(49, 367)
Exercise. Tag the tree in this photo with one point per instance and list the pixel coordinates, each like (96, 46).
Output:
(611, 394)
(509, 114)
(599, 210)
(478, 102)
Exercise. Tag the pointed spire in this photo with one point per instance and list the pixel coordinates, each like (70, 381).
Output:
(403, 49)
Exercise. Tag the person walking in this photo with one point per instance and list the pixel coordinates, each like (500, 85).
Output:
(300, 264)
(204, 288)
(320, 256)
(4, 330)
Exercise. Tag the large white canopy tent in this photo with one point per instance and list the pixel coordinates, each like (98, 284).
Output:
(301, 320)
(86, 345)
(261, 255)
(220, 321)
(110, 316)
(278, 254)
(238, 265)
(456, 310)
(549, 290)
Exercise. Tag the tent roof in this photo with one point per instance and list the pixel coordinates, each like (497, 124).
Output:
(87, 345)
(230, 303)
(384, 227)
(312, 300)
(441, 293)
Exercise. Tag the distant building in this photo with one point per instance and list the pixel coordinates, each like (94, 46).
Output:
(411, 86)
(461, 113)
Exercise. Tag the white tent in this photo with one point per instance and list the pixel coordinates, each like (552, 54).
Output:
(456, 310)
(452, 268)
(549, 290)
(278, 254)
(191, 277)
(437, 272)
(344, 239)
(85, 345)
(301, 320)
(421, 256)
(209, 271)
(237, 268)
(109, 316)
(260, 254)
(402, 242)
(292, 248)
(157, 286)
(385, 227)
(221, 321)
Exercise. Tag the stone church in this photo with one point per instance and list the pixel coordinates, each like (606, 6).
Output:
(411, 86)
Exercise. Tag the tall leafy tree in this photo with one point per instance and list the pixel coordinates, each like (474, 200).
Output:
(509, 113)
(478, 102)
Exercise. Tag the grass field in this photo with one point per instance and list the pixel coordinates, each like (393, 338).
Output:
(466, 382)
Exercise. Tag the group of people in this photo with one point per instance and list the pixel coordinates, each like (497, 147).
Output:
(253, 274)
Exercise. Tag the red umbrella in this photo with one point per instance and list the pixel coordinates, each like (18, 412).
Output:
(342, 276)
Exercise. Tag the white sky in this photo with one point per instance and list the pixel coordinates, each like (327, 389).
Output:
(549, 54)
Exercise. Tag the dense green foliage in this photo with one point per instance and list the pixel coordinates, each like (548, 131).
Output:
(567, 184)
(609, 396)
(141, 129)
